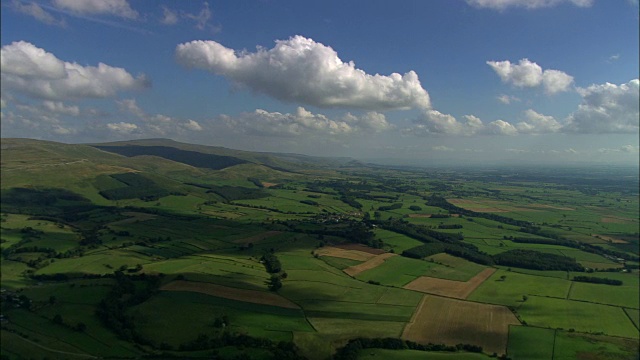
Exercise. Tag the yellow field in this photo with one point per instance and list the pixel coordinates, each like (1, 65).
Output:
(449, 288)
(450, 321)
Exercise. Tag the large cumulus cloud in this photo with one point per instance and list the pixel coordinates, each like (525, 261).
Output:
(529, 74)
(302, 70)
(35, 72)
(607, 108)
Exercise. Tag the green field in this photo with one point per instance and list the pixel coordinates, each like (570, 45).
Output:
(581, 316)
(510, 290)
(531, 343)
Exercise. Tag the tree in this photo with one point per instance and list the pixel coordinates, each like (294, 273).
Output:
(525, 298)
(275, 283)
(58, 319)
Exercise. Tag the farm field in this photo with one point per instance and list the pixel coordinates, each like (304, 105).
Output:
(531, 343)
(449, 288)
(267, 258)
(449, 321)
(581, 316)
(510, 289)
(415, 354)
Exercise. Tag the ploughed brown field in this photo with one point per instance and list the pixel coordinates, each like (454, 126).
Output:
(345, 254)
(252, 296)
(367, 265)
(360, 247)
(449, 288)
(451, 322)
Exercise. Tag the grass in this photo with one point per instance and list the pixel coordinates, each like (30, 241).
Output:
(584, 346)
(454, 268)
(625, 295)
(581, 316)
(12, 276)
(396, 271)
(396, 242)
(530, 343)
(187, 314)
(634, 315)
(510, 290)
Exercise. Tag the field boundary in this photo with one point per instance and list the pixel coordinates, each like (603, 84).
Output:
(630, 319)
(415, 314)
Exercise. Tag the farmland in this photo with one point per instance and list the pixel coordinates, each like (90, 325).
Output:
(258, 257)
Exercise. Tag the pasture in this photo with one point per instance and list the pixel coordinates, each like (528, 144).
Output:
(187, 314)
(531, 343)
(581, 316)
(510, 289)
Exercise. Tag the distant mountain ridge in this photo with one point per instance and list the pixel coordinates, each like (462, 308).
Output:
(216, 157)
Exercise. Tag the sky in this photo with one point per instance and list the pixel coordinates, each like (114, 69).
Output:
(403, 82)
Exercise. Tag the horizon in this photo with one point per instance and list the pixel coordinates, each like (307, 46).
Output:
(461, 83)
(400, 163)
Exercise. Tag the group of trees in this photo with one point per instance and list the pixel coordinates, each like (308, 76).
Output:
(597, 280)
(271, 263)
(112, 310)
(354, 346)
(530, 259)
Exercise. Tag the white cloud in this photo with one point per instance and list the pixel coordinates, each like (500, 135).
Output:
(435, 122)
(36, 11)
(507, 99)
(629, 149)
(119, 8)
(555, 81)
(122, 127)
(607, 108)
(441, 148)
(169, 17)
(500, 127)
(201, 18)
(192, 125)
(527, 4)
(529, 74)
(536, 123)
(3, 103)
(158, 124)
(303, 122)
(60, 108)
(614, 57)
(302, 70)
(33, 71)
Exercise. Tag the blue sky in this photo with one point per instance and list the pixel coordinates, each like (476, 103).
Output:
(442, 81)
